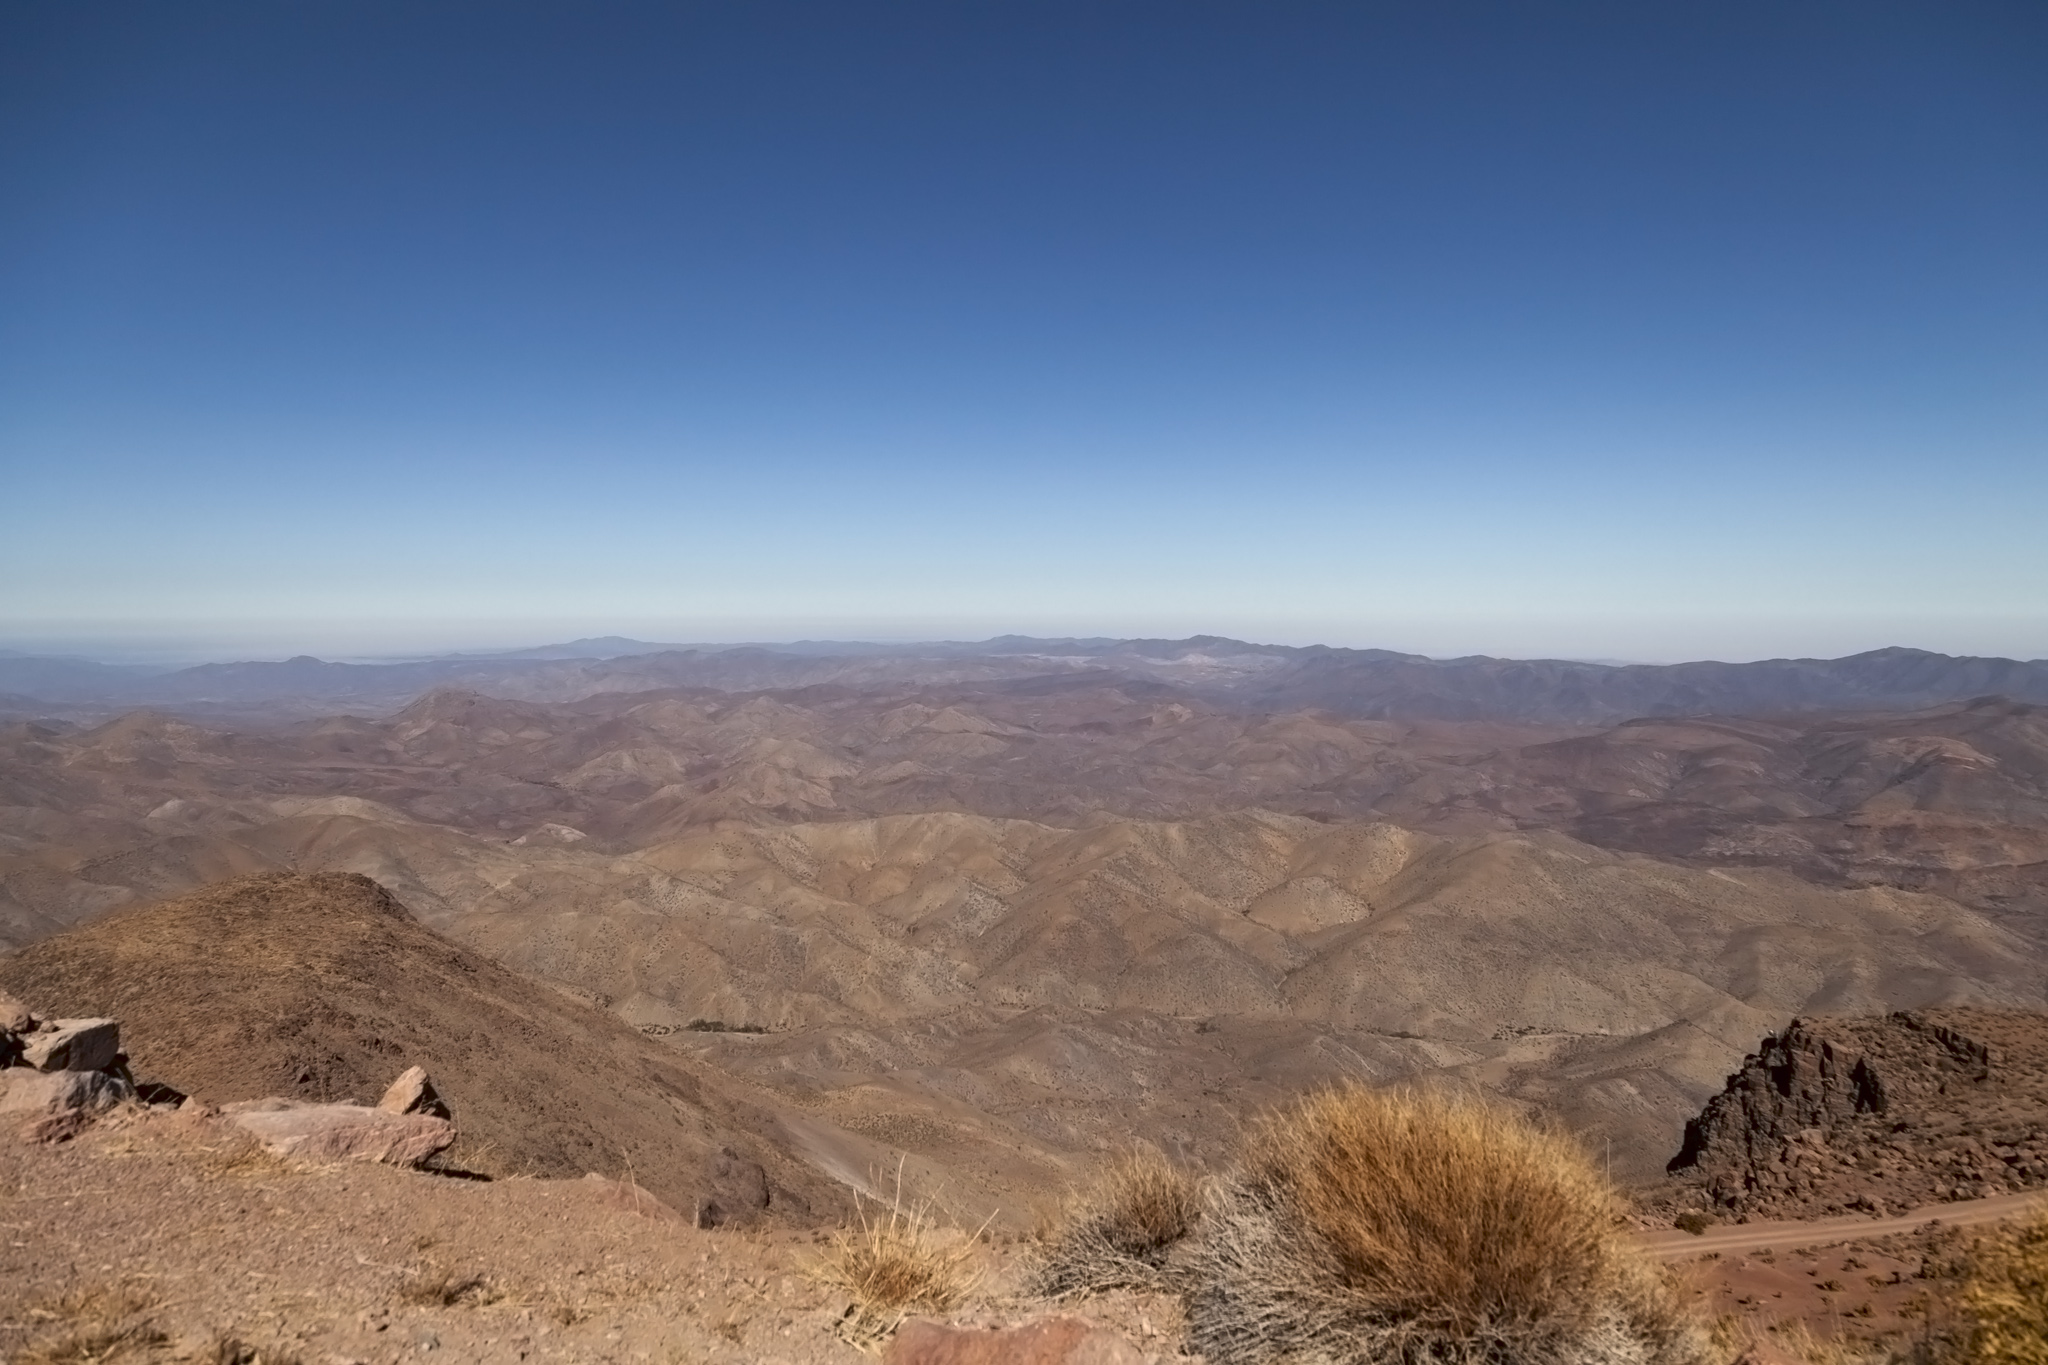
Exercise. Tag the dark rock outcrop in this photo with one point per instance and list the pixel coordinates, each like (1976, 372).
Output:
(1839, 1113)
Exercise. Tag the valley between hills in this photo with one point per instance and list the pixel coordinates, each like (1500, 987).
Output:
(994, 921)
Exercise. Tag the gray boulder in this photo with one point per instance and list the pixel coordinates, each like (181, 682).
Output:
(72, 1045)
(42, 1094)
(50, 1106)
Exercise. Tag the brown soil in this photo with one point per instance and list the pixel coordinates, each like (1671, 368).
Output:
(1869, 1297)
(169, 1227)
(323, 987)
(156, 1237)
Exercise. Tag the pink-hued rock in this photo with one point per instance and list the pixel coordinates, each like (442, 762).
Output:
(341, 1132)
(51, 1106)
(40, 1094)
(1049, 1341)
(413, 1093)
(72, 1045)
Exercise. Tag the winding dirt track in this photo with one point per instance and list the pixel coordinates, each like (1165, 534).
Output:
(1673, 1245)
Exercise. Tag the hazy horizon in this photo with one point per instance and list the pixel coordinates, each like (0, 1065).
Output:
(175, 649)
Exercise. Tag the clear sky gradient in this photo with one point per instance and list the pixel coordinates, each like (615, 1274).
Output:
(1632, 331)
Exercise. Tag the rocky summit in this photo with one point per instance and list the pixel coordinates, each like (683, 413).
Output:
(1881, 1113)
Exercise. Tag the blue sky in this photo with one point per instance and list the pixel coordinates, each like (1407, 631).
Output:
(1625, 331)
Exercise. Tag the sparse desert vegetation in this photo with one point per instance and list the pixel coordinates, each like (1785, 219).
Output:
(2003, 1304)
(1405, 1226)
(897, 1259)
(87, 1324)
(1118, 1233)
(1365, 1225)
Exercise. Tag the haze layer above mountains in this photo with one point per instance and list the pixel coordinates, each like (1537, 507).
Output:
(1003, 910)
(1364, 683)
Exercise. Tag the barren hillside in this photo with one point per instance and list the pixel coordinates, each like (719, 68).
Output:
(1001, 925)
(323, 987)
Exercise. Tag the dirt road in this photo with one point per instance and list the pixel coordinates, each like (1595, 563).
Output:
(1673, 1245)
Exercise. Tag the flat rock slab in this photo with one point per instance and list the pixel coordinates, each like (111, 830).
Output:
(72, 1045)
(1049, 1341)
(342, 1132)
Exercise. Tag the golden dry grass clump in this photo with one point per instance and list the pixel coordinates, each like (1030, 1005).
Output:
(896, 1260)
(99, 1322)
(2005, 1296)
(1392, 1226)
(1117, 1233)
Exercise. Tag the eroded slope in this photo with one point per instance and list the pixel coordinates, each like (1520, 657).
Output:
(322, 987)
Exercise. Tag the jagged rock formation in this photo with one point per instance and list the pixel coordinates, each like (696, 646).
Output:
(1875, 1113)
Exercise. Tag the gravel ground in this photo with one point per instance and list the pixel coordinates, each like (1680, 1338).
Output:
(163, 1236)
(159, 1237)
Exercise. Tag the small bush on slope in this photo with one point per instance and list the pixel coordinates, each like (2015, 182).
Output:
(1374, 1226)
(2005, 1296)
(895, 1261)
(1116, 1234)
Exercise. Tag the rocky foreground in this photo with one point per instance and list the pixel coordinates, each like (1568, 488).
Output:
(149, 1225)
(172, 1235)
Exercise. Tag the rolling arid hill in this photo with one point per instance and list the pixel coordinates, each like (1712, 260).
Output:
(1001, 998)
(1003, 925)
(322, 987)
(1952, 800)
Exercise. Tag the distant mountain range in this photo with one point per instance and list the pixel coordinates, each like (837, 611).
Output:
(1360, 683)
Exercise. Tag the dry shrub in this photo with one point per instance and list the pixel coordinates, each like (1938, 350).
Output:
(233, 1154)
(101, 1323)
(438, 1287)
(232, 1350)
(896, 1260)
(2005, 1296)
(1117, 1233)
(1799, 1341)
(95, 1344)
(1412, 1227)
